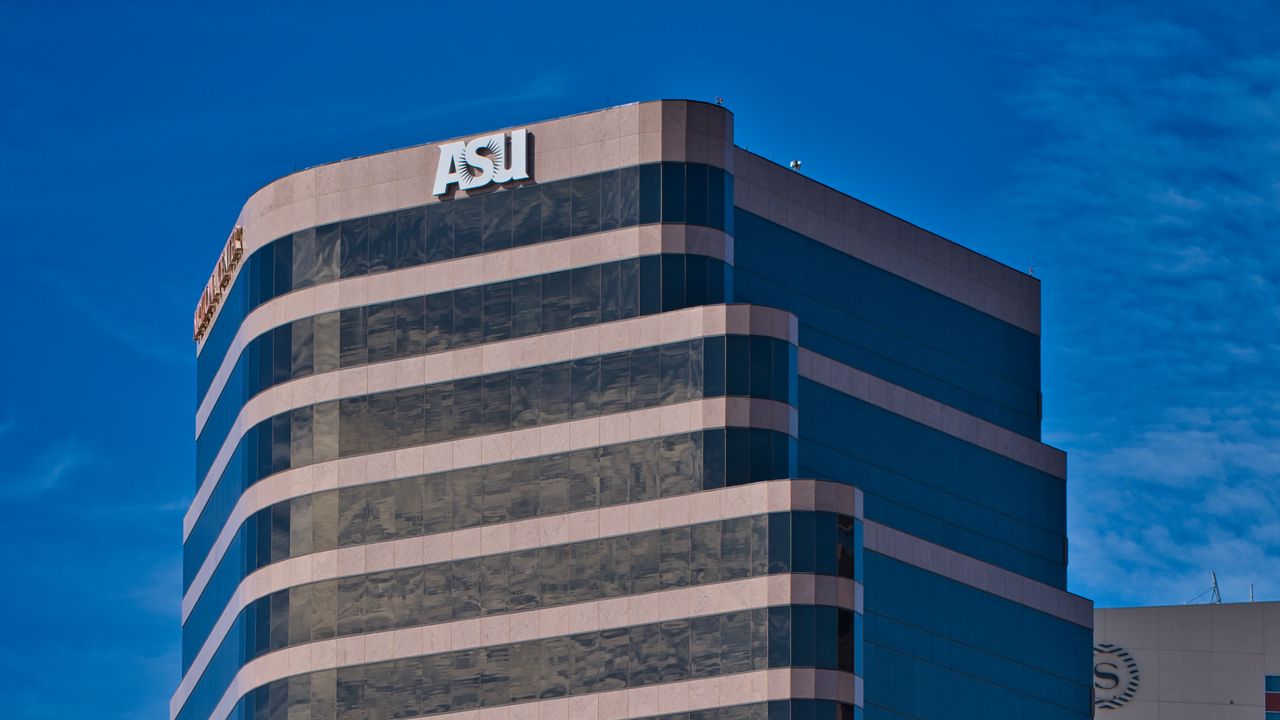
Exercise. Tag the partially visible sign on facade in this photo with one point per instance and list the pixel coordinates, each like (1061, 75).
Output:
(216, 288)
(477, 162)
(1115, 676)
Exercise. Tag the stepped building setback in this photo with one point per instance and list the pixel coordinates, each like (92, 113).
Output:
(605, 417)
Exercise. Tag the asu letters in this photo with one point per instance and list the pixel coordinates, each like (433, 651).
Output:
(477, 162)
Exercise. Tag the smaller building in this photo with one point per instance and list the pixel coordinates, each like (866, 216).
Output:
(1184, 662)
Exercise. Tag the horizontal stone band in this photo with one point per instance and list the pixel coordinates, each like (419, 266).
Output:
(464, 272)
(826, 215)
(977, 574)
(679, 603)
(705, 414)
(931, 413)
(708, 506)
(680, 697)
(496, 357)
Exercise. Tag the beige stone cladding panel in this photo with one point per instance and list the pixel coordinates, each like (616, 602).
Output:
(579, 144)
(576, 252)
(1271, 636)
(1131, 630)
(1204, 660)
(792, 200)
(977, 574)
(521, 444)
(687, 131)
(690, 323)
(931, 413)
(710, 506)
(1239, 628)
(661, 606)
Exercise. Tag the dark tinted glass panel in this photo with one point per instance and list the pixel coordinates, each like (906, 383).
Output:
(497, 221)
(696, 194)
(468, 311)
(719, 204)
(629, 288)
(411, 246)
(526, 224)
(556, 211)
(629, 196)
(382, 243)
(713, 367)
(306, 258)
(584, 303)
(526, 304)
(673, 282)
(586, 388)
(438, 232)
(439, 322)
(697, 288)
(650, 279)
(586, 192)
(283, 266)
(556, 312)
(497, 312)
(468, 228)
(738, 369)
(650, 193)
(354, 337)
(610, 200)
(382, 332)
(411, 327)
(673, 197)
(354, 247)
(611, 292)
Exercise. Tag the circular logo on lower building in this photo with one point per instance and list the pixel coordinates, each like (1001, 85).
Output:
(1115, 676)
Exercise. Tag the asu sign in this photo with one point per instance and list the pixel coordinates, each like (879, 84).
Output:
(477, 162)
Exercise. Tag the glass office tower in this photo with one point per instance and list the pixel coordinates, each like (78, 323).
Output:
(594, 443)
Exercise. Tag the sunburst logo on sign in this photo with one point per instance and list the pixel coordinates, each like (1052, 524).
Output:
(475, 163)
(1115, 676)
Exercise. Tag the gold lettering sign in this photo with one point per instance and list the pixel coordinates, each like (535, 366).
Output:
(223, 272)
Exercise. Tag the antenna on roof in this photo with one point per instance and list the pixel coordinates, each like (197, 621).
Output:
(1214, 592)
(719, 99)
(1250, 592)
(794, 165)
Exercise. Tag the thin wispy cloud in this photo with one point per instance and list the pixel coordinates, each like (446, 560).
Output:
(44, 470)
(133, 322)
(1153, 194)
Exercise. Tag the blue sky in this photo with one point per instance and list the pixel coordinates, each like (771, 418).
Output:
(1129, 152)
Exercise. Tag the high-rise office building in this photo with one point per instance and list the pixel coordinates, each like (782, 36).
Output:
(578, 420)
